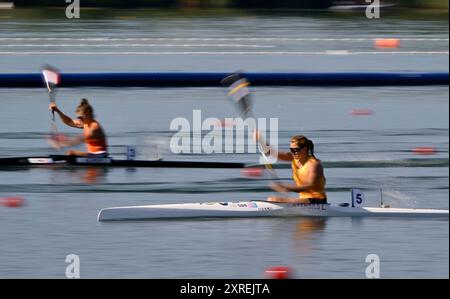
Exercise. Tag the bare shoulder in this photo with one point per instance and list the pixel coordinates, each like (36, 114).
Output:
(316, 164)
(94, 125)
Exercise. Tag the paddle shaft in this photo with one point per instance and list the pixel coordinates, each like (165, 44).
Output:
(238, 89)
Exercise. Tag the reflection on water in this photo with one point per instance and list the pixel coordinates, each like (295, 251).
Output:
(307, 231)
(93, 175)
(65, 175)
(308, 226)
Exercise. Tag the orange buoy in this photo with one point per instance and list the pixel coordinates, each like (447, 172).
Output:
(424, 150)
(278, 272)
(387, 43)
(12, 202)
(360, 112)
(253, 172)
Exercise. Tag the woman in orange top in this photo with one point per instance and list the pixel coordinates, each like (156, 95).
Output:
(93, 134)
(307, 172)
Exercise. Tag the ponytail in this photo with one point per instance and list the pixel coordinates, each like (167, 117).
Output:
(310, 146)
(85, 108)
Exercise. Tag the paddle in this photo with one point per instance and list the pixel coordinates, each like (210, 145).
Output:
(52, 78)
(238, 90)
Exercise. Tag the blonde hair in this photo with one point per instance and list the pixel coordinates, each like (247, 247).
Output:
(302, 141)
(85, 108)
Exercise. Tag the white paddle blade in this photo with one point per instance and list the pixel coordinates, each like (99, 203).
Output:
(358, 198)
(51, 77)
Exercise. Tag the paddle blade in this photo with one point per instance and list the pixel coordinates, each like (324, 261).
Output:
(229, 80)
(238, 90)
(52, 77)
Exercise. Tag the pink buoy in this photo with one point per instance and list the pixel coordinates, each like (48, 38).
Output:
(252, 172)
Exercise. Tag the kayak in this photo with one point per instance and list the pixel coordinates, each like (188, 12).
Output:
(259, 209)
(109, 162)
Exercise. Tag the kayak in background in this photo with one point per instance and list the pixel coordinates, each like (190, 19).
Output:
(66, 160)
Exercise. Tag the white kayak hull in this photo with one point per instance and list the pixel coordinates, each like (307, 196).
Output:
(257, 209)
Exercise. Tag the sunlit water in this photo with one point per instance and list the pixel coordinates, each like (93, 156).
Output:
(368, 152)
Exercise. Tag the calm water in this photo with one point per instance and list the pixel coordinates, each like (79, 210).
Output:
(368, 152)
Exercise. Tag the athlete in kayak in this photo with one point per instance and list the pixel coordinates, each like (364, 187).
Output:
(93, 134)
(307, 172)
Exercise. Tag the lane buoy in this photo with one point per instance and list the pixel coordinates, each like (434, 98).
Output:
(12, 202)
(362, 112)
(253, 172)
(424, 150)
(278, 272)
(387, 43)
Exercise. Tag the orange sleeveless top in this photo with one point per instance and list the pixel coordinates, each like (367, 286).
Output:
(94, 145)
(299, 173)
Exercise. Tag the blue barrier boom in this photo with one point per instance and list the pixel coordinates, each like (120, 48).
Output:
(213, 79)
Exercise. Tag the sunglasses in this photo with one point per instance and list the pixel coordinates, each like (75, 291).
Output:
(295, 150)
(80, 117)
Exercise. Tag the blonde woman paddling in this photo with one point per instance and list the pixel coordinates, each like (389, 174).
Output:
(93, 135)
(307, 173)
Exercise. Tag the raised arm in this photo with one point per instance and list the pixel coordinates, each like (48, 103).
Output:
(283, 156)
(64, 118)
